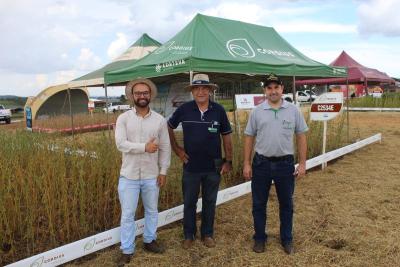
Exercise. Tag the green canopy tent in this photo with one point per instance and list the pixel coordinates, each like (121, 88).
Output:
(224, 49)
(142, 47)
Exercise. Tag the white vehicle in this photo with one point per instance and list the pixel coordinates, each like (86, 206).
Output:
(5, 114)
(114, 107)
(301, 96)
(311, 93)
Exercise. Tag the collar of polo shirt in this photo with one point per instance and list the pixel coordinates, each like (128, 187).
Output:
(195, 107)
(284, 104)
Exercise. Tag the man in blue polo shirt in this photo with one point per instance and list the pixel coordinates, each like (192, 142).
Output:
(203, 124)
(271, 126)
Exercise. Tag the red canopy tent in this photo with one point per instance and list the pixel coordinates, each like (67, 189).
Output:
(357, 74)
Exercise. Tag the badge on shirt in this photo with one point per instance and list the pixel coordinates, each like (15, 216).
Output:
(213, 128)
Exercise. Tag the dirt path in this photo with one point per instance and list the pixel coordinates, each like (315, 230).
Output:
(348, 215)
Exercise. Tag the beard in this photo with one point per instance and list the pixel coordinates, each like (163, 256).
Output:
(142, 102)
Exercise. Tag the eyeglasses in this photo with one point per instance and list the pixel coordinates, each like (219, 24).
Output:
(138, 94)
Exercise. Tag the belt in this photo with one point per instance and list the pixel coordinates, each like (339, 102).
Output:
(281, 158)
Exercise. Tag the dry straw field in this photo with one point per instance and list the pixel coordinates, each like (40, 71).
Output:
(49, 198)
(347, 215)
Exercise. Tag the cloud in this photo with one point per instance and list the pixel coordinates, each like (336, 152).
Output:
(87, 60)
(117, 46)
(251, 13)
(379, 17)
(41, 80)
(315, 27)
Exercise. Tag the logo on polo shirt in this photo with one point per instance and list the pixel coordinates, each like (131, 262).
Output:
(287, 125)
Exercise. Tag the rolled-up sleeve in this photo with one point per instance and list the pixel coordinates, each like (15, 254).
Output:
(122, 142)
(164, 152)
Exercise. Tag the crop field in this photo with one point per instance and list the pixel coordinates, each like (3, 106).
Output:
(50, 196)
(347, 215)
(388, 100)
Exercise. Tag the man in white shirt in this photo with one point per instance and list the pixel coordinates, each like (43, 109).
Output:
(141, 135)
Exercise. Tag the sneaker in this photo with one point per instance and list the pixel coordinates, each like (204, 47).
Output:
(187, 243)
(154, 247)
(288, 248)
(124, 259)
(259, 246)
(208, 241)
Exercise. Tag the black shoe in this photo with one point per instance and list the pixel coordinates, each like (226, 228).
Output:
(154, 247)
(124, 259)
(259, 246)
(288, 248)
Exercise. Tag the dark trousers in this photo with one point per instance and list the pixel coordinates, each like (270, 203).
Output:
(264, 171)
(191, 182)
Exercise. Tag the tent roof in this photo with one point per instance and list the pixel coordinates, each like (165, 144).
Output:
(216, 45)
(357, 73)
(143, 46)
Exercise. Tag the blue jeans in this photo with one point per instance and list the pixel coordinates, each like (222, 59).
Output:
(264, 171)
(128, 191)
(191, 182)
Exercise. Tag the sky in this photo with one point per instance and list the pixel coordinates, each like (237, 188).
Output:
(49, 42)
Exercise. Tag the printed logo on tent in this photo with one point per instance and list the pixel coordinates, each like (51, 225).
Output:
(169, 65)
(240, 47)
(174, 49)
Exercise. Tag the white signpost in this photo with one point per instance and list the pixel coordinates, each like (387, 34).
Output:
(326, 107)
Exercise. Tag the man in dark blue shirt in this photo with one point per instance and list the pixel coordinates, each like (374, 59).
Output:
(203, 124)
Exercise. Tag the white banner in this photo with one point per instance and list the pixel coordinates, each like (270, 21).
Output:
(111, 237)
(248, 101)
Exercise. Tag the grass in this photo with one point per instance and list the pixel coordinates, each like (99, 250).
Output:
(49, 198)
(13, 102)
(388, 100)
(227, 104)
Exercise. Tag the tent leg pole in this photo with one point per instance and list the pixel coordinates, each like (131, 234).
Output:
(347, 115)
(294, 90)
(70, 113)
(107, 118)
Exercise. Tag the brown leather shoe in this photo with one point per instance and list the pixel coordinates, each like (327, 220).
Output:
(208, 241)
(187, 243)
(154, 247)
(124, 259)
(259, 247)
